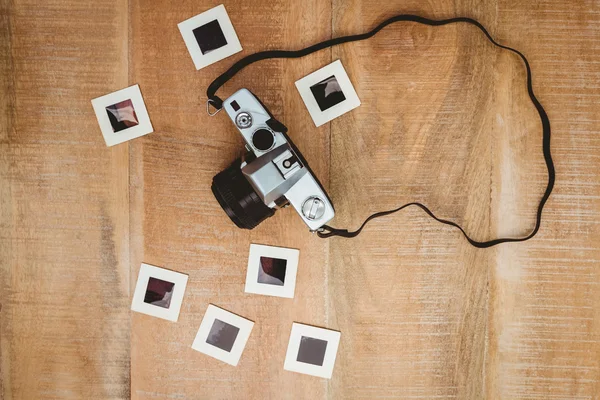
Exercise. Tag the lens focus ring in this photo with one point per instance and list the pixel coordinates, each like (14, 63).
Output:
(238, 199)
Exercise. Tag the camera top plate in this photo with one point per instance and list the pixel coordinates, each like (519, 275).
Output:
(250, 117)
(278, 169)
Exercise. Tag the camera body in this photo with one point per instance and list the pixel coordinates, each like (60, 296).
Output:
(273, 173)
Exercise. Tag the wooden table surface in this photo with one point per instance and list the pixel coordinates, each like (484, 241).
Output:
(445, 119)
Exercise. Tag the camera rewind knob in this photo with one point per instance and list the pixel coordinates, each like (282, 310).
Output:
(313, 208)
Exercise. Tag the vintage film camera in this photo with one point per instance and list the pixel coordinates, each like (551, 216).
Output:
(272, 174)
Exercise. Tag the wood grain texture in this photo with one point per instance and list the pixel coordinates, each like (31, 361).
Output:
(64, 257)
(184, 227)
(544, 296)
(411, 293)
(445, 120)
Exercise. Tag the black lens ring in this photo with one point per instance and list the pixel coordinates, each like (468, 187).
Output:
(238, 198)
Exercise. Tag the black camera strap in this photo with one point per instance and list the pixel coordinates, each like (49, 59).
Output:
(328, 231)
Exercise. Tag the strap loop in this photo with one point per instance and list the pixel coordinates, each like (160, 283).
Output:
(212, 102)
(328, 231)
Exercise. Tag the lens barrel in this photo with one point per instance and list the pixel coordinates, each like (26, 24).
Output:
(238, 198)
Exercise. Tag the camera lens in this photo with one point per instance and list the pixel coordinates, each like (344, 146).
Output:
(238, 198)
(263, 139)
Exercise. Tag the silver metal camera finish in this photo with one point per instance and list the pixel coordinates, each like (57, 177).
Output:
(243, 120)
(313, 208)
(277, 172)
